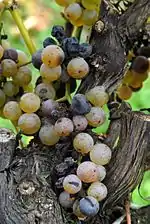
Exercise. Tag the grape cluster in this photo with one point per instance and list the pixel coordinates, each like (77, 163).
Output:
(80, 12)
(136, 74)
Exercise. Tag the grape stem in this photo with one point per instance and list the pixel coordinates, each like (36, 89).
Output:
(128, 214)
(67, 95)
(24, 32)
(27, 63)
(85, 34)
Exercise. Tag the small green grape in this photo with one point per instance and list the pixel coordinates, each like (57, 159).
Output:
(83, 143)
(10, 89)
(100, 154)
(2, 98)
(30, 102)
(12, 111)
(29, 123)
(95, 117)
(9, 68)
(23, 76)
(97, 190)
(73, 11)
(50, 74)
(78, 68)
(48, 135)
(72, 184)
(89, 17)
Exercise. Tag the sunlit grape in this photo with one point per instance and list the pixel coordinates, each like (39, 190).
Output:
(45, 91)
(29, 123)
(100, 154)
(23, 76)
(2, 98)
(97, 96)
(22, 58)
(124, 92)
(79, 22)
(9, 67)
(89, 206)
(48, 135)
(65, 200)
(96, 117)
(87, 172)
(30, 102)
(80, 123)
(73, 11)
(97, 190)
(83, 143)
(78, 68)
(12, 111)
(101, 172)
(64, 126)
(72, 184)
(52, 56)
(10, 89)
(50, 74)
(89, 17)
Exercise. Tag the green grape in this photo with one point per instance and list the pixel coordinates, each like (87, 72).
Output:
(88, 4)
(65, 200)
(95, 117)
(124, 92)
(30, 102)
(64, 126)
(10, 89)
(100, 154)
(87, 172)
(77, 212)
(52, 56)
(45, 91)
(73, 11)
(50, 74)
(22, 58)
(78, 68)
(89, 17)
(64, 2)
(72, 184)
(9, 68)
(83, 143)
(23, 76)
(48, 135)
(97, 190)
(29, 123)
(12, 111)
(1, 52)
(2, 98)
(101, 172)
(97, 96)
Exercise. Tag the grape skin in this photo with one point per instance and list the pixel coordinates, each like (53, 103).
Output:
(2, 98)
(101, 172)
(72, 184)
(96, 117)
(50, 74)
(64, 126)
(87, 172)
(83, 143)
(73, 11)
(80, 123)
(65, 200)
(23, 76)
(10, 89)
(97, 96)
(30, 102)
(78, 68)
(97, 190)
(45, 91)
(52, 56)
(29, 123)
(89, 206)
(100, 154)
(12, 111)
(48, 135)
(9, 68)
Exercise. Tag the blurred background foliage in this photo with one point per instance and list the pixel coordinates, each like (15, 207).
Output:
(39, 16)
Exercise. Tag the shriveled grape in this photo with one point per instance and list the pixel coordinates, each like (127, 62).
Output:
(72, 184)
(96, 117)
(12, 111)
(30, 102)
(83, 143)
(64, 126)
(97, 190)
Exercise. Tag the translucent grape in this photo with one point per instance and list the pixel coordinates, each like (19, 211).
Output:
(97, 96)
(73, 11)
(11, 53)
(50, 74)
(78, 68)
(101, 172)
(79, 22)
(97, 190)
(1, 52)
(65, 200)
(83, 143)
(90, 5)
(52, 56)
(29, 123)
(48, 135)
(22, 58)
(64, 2)
(77, 212)
(89, 206)
(9, 67)
(2, 98)
(48, 106)
(23, 76)
(87, 172)
(89, 17)
(30, 102)
(124, 92)
(10, 89)
(45, 91)
(12, 111)
(80, 123)
(72, 184)
(64, 126)
(96, 117)
(100, 154)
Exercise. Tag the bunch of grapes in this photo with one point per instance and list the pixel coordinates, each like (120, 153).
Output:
(80, 12)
